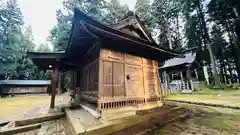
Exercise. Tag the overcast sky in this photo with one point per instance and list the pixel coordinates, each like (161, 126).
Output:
(41, 15)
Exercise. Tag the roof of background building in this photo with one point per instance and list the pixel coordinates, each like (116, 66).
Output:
(25, 82)
(188, 59)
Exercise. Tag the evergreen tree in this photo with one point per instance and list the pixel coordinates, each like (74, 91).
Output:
(15, 41)
(107, 13)
(165, 17)
(12, 47)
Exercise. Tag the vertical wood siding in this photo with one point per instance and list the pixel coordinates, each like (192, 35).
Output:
(89, 70)
(23, 89)
(127, 79)
(118, 80)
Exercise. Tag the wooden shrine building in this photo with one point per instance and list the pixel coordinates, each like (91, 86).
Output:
(16, 87)
(180, 73)
(113, 67)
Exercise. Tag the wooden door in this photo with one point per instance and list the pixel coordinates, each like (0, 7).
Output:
(113, 80)
(118, 80)
(107, 80)
(134, 81)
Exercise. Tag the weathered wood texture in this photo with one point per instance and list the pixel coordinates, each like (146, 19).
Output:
(54, 87)
(127, 80)
(111, 79)
(89, 76)
(39, 119)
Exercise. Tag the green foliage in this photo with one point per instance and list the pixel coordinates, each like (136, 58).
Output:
(193, 32)
(61, 32)
(43, 48)
(114, 12)
(165, 16)
(143, 11)
(15, 41)
(12, 42)
(106, 12)
(60, 36)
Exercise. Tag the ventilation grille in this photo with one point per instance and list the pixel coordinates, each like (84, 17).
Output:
(126, 103)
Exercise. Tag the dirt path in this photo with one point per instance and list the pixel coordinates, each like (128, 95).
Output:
(204, 121)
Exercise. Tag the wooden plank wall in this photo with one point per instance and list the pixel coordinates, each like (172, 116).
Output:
(89, 76)
(23, 89)
(126, 80)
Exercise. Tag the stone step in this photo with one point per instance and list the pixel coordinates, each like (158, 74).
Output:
(72, 119)
(118, 115)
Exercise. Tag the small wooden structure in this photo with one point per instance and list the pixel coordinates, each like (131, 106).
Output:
(180, 73)
(112, 67)
(12, 87)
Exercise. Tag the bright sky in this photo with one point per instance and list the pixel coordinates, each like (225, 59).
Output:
(41, 15)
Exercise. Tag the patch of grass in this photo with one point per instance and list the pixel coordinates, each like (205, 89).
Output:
(12, 105)
(217, 91)
(211, 96)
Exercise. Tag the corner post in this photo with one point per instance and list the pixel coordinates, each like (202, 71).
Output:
(182, 85)
(189, 79)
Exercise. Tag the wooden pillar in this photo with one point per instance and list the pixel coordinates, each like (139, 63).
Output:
(165, 82)
(59, 81)
(74, 79)
(62, 85)
(196, 73)
(54, 87)
(168, 82)
(189, 79)
(182, 85)
(181, 75)
(166, 78)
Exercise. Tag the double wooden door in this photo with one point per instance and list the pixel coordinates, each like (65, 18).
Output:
(112, 80)
(121, 80)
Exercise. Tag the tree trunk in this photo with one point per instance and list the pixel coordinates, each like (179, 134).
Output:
(222, 63)
(169, 38)
(223, 77)
(206, 36)
(178, 28)
(230, 71)
(235, 12)
(234, 48)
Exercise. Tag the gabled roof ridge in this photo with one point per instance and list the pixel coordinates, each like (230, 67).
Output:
(126, 19)
(91, 22)
(144, 28)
